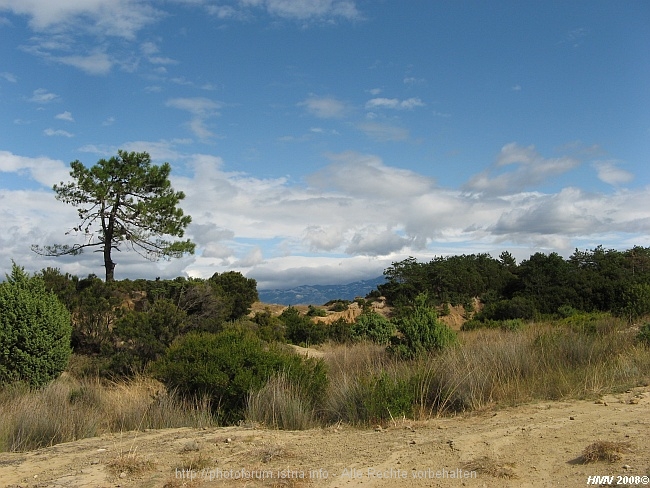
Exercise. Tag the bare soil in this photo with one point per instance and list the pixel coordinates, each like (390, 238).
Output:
(539, 444)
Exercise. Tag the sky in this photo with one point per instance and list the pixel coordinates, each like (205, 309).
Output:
(319, 141)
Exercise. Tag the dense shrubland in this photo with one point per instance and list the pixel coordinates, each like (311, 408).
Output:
(188, 352)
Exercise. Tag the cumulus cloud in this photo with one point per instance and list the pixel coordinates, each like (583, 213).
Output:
(531, 169)
(44, 170)
(610, 173)
(348, 221)
(98, 63)
(372, 242)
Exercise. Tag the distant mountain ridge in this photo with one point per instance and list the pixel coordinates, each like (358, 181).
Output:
(320, 294)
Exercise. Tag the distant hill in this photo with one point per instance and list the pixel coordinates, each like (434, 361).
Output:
(320, 294)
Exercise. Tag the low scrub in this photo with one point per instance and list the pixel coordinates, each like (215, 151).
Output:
(227, 366)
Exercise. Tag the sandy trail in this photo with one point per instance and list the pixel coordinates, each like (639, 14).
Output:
(532, 445)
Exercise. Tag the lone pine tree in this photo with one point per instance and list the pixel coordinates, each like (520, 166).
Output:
(123, 201)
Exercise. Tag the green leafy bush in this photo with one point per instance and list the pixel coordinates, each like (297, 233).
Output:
(373, 326)
(420, 330)
(644, 334)
(145, 335)
(315, 312)
(340, 331)
(300, 329)
(228, 365)
(510, 324)
(35, 331)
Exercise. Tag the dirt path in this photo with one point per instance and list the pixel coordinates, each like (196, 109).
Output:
(531, 445)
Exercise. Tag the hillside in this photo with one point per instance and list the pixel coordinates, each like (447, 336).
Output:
(320, 294)
(533, 445)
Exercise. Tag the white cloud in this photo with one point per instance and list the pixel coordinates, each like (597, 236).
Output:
(41, 95)
(394, 103)
(201, 109)
(324, 107)
(10, 77)
(44, 170)
(348, 221)
(98, 63)
(67, 116)
(252, 258)
(531, 169)
(383, 132)
(304, 9)
(121, 18)
(61, 133)
(610, 173)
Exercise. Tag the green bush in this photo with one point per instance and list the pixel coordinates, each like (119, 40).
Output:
(315, 312)
(420, 330)
(229, 365)
(340, 331)
(644, 334)
(510, 324)
(373, 326)
(35, 331)
(145, 335)
(300, 329)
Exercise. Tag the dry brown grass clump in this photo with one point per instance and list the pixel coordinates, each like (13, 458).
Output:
(69, 409)
(129, 464)
(604, 451)
(489, 466)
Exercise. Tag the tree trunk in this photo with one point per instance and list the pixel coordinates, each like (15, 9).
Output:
(108, 263)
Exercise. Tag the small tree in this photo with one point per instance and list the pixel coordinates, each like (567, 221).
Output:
(34, 331)
(125, 199)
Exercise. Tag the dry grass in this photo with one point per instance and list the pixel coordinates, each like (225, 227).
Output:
(69, 409)
(196, 462)
(279, 405)
(129, 464)
(609, 451)
(541, 361)
(491, 467)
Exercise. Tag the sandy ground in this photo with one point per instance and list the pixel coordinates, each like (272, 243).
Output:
(537, 444)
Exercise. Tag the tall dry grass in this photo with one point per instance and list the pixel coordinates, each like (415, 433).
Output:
(488, 367)
(281, 405)
(69, 409)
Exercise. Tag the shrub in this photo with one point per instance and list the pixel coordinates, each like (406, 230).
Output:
(146, 334)
(373, 326)
(269, 328)
(340, 331)
(421, 331)
(35, 331)
(315, 312)
(644, 334)
(511, 324)
(228, 365)
(300, 329)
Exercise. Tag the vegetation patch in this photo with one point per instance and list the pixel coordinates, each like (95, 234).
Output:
(609, 451)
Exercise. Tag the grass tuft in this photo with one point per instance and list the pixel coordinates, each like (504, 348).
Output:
(604, 451)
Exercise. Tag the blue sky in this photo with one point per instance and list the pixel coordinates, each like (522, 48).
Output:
(319, 141)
